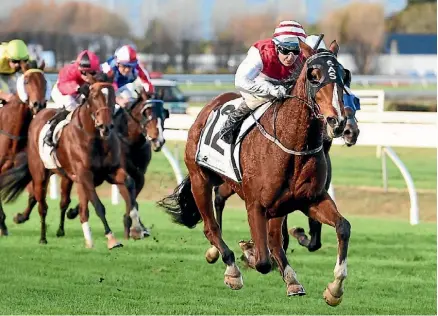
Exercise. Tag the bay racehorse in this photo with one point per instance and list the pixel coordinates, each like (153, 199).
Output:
(280, 173)
(224, 192)
(15, 116)
(88, 152)
(140, 129)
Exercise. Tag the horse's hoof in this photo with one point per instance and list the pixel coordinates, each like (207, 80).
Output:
(246, 245)
(43, 241)
(296, 231)
(234, 283)
(19, 218)
(89, 244)
(72, 213)
(3, 232)
(115, 245)
(136, 233)
(60, 233)
(295, 290)
(330, 299)
(146, 232)
(212, 254)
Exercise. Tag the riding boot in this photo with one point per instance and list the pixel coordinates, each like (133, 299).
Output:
(235, 117)
(60, 115)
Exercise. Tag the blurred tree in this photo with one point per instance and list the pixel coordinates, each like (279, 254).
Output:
(360, 27)
(68, 18)
(418, 17)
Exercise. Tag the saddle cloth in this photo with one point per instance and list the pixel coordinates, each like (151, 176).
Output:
(47, 153)
(213, 153)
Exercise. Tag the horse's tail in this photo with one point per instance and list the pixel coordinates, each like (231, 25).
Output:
(181, 205)
(14, 181)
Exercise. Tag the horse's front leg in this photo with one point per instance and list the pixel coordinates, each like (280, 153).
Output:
(325, 211)
(275, 240)
(131, 218)
(86, 183)
(3, 227)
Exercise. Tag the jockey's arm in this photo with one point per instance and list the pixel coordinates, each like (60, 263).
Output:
(248, 71)
(145, 80)
(67, 83)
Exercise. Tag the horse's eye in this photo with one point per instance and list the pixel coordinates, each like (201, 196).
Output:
(26, 81)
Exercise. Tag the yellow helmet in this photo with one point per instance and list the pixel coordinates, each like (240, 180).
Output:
(17, 50)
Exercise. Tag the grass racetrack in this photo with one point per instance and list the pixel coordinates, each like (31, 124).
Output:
(391, 264)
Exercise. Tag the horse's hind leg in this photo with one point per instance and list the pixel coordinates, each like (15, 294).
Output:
(222, 193)
(3, 227)
(275, 240)
(202, 193)
(325, 211)
(66, 185)
(20, 218)
(315, 228)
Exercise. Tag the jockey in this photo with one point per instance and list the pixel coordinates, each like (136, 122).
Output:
(12, 55)
(127, 74)
(73, 84)
(350, 100)
(268, 64)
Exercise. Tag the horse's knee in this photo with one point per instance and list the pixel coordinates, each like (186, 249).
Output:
(264, 266)
(65, 202)
(343, 229)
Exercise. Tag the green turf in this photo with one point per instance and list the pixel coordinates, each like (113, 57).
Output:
(354, 166)
(231, 87)
(392, 270)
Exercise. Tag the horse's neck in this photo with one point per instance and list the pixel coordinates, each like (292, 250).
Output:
(83, 115)
(296, 129)
(134, 128)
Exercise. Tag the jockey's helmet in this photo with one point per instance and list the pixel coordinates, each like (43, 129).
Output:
(312, 39)
(287, 35)
(17, 50)
(126, 56)
(88, 61)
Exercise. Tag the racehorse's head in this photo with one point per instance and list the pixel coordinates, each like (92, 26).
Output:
(101, 102)
(153, 116)
(33, 88)
(325, 85)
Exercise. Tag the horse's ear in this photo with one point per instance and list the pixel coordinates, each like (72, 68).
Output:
(42, 66)
(334, 48)
(306, 49)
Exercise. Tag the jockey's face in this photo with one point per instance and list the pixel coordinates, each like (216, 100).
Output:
(15, 64)
(286, 60)
(87, 76)
(124, 70)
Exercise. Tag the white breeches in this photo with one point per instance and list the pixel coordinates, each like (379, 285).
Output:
(70, 103)
(253, 101)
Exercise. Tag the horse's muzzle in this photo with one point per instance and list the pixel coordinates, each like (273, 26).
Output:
(104, 131)
(336, 126)
(157, 144)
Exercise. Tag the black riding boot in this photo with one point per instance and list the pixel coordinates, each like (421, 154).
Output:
(236, 117)
(55, 120)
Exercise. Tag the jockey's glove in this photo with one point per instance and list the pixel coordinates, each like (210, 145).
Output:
(84, 89)
(278, 92)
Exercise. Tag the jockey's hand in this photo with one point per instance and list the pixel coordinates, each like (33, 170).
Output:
(279, 92)
(122, 101)
(6, 96)
(84, 89)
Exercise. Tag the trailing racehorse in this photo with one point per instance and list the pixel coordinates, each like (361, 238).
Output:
(140, 129)
(15, 117)
(87, 152)
(283, 169)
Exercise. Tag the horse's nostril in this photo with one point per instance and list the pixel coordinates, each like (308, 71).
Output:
(347, 132)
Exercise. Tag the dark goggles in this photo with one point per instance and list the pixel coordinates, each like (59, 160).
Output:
(84, 73)
(289, 50)
(16, 61)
